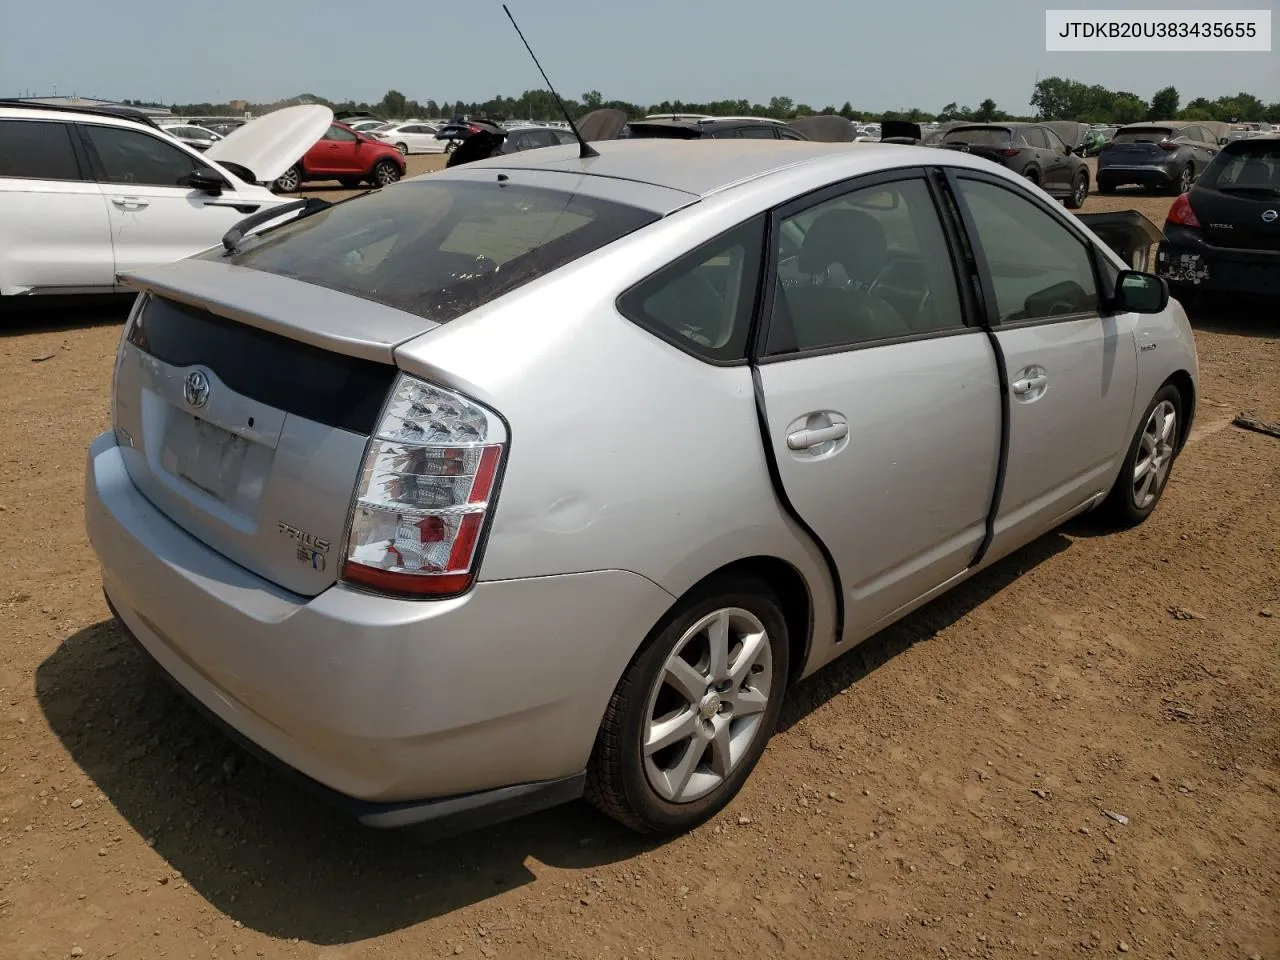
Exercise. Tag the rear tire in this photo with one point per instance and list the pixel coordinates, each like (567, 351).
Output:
(1148, 462)
(1079, 192)
(403, 148)
(1185, 180)
(710, 715)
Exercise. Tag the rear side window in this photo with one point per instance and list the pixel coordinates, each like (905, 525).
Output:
(440, 248)
(37, 150)
(1247, 166)
(704, 301)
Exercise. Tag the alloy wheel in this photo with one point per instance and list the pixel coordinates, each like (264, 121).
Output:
(289, 180)
(1082, 190)
(1155, 454)
(386, 174)
(707, 705)
(1184, 181)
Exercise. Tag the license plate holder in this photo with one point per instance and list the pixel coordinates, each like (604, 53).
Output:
(210, 458)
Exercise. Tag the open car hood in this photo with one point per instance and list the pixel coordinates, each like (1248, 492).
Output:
(1127, 232)
(603, 124)
(825, 129)
(269, 145)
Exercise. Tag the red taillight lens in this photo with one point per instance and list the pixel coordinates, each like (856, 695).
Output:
(1010, 152)
(1182, 214)
(472, 128)
(1168, 145)
(425, 493)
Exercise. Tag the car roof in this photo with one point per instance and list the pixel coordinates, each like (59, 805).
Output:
(50, 111)
(705, 166)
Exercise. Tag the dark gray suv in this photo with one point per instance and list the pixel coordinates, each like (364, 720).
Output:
(1166, 155)
(1031, 150)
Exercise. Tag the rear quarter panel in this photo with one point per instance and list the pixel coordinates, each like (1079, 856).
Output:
(625, 452)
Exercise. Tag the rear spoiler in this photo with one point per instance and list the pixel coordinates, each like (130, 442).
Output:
(1127, 232)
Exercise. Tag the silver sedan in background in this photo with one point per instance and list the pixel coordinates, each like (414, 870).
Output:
(547, 474)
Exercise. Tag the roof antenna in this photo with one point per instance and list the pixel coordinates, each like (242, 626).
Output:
(584, 149)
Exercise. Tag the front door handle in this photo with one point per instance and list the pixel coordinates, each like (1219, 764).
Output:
(128, 203)
(804, 439)
(1028, 384)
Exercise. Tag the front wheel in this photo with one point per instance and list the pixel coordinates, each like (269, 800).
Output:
(385, 172)
(692, 714)
(1148, 461)
(1079, 192)
(403, 148)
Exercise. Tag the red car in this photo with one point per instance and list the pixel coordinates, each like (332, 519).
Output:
(347, 156)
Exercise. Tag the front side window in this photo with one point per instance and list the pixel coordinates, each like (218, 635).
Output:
(37, 150)
(1039, 268)
(703, 302)
(133, 157)
(439, 248)
(872, 264)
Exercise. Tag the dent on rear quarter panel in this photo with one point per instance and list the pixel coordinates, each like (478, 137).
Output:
(625, 452)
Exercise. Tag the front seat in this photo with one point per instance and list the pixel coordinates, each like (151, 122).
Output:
(836, 307)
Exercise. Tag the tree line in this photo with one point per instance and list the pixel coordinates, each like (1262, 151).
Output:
(1054, 98)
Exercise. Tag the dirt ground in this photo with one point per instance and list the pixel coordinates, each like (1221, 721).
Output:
(946, 792)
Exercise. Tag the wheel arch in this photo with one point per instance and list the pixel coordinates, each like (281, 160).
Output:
(793, 594)
(1182, 382)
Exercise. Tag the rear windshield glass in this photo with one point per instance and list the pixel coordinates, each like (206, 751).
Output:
(439, 248)
(979, 136)
(1245, 166)
(1143, 135)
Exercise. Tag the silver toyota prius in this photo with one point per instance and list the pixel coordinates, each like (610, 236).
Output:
(547, 475)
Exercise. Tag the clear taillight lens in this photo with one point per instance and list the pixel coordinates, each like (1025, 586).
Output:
(424, 493)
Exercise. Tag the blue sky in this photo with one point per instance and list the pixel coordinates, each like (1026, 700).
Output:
(879, 55)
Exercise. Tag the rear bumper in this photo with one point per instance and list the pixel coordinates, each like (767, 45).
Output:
(1147, 175)
(457, 711)
(1188, 263)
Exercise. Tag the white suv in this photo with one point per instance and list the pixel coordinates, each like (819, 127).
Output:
(86, 194)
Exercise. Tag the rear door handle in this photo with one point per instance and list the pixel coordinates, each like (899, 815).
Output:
(1028, 384)
(804, 439)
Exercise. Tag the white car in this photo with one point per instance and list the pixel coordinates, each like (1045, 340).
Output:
(86, 195)
(369, 126)
(193, 135)
(414, 137)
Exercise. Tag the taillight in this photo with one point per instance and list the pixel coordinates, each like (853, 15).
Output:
(1181, 212)
(473, 128)
(425, 493)
(1168, 145)
(1010, 152)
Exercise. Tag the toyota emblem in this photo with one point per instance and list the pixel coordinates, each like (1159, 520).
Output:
(195, 390)
(1269, 216)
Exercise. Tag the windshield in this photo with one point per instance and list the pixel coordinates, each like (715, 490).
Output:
(439, 248)
(979, 136)
(1245, 166)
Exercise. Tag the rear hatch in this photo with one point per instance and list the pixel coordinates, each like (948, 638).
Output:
(1138, 145)
(1237, 198)
(249, 382)
(989, 142)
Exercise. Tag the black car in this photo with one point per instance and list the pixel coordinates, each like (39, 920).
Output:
(1031, 150)
(716, 128)
(1223, 235)
(480, 139)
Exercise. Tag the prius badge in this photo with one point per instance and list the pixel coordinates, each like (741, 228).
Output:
(195, 389)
